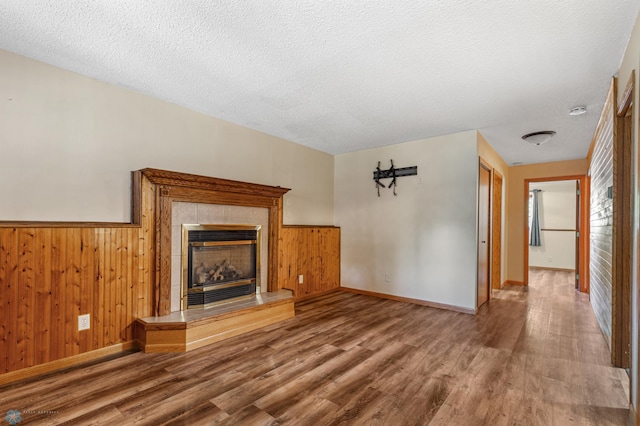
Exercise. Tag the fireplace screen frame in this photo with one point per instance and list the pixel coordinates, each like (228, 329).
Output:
(184, 278)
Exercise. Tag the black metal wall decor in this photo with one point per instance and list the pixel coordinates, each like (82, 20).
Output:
(392, 173)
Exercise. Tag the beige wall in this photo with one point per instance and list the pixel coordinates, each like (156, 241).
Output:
(420, 244)
(487, 153)
(631, 61)
(516, 212)
(69, 143)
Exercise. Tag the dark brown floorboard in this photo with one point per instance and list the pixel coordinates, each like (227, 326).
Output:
(530, 356)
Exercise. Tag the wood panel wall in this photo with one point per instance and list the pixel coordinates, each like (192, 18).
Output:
(601, 217)
(50, 275)
(314, 253)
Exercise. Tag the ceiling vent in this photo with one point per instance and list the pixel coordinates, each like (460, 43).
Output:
(539, 138)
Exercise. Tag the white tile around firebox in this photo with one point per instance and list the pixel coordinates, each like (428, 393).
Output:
(237, 214)
(176, 239)
(175, 299)
(183, 213)
(176, 273)
(260, 216)
(210, 213)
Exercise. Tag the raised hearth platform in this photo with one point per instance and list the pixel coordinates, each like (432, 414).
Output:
(192, 329)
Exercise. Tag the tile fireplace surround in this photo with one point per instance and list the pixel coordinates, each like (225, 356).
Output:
(213, 214)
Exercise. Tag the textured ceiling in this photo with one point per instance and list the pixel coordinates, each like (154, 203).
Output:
(343, 76)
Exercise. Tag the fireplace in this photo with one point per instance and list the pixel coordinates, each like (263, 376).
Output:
(219, 263)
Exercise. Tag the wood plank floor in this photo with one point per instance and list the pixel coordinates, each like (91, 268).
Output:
(531, 356)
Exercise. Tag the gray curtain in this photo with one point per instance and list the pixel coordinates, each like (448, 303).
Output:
(534, 235)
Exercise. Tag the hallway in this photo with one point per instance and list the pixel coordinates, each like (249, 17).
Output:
(560, 357)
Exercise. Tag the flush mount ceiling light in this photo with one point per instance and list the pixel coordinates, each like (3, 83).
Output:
(579, 110)
(538, 138)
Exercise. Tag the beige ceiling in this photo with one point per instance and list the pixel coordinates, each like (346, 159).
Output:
(342, 76)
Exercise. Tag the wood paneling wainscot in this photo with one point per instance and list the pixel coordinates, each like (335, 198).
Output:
(314, 253)
(601, 221)
(51, 274)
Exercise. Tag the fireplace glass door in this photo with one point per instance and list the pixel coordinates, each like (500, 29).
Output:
(220, 263)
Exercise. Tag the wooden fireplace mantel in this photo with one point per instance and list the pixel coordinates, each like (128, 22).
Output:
(154, 192)
(186, 180)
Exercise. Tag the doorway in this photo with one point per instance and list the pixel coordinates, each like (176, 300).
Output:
(622, 241)
(554, 240)
(484, 226)
(553, 227)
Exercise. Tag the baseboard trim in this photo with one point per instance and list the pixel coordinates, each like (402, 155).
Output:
(71, 361)
(512, 282)
(552, 269)
(409, 300)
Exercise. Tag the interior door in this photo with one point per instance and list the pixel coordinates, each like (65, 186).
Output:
(578, 230)
(484, 199)
(496, 231)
